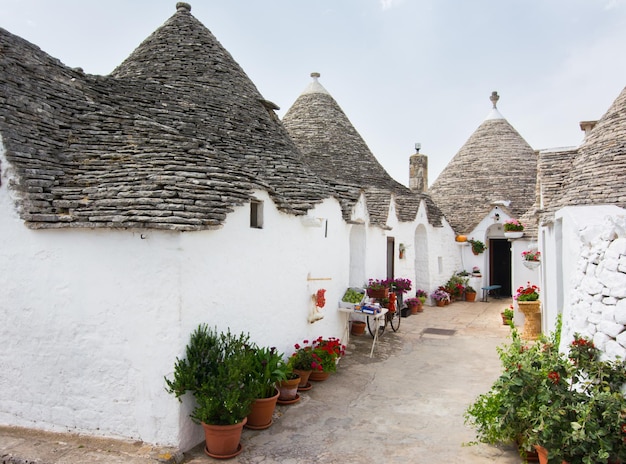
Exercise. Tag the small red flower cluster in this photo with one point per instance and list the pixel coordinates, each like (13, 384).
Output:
(554, 377)
(528, 293)
(331, 345)
(583, 342)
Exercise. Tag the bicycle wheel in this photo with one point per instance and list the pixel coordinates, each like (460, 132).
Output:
(374, 324)
(394, 319)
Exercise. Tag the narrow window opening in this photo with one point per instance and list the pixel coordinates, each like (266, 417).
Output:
(256, 214)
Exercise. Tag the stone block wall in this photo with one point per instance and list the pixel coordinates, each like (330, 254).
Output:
(597, 296)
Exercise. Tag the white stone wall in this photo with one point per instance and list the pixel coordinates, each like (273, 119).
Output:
(594, 241)
(92, 320)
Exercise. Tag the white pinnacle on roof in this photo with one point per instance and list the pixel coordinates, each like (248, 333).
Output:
(315, 86)
(494, 113)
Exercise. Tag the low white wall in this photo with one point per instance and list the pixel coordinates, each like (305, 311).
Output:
(594, 239)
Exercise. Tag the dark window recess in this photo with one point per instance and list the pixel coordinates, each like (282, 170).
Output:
(256, 214)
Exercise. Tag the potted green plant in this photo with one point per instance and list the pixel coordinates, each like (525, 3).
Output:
(328, 350)
(507, 413)
(269, 368)
(304, 361)
(570, 405)
(584, 419)
(470, 293)
(507, 316)
(217, 370)
(478, 247)
(422, 295)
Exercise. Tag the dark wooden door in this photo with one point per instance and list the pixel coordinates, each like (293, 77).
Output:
(500, 265)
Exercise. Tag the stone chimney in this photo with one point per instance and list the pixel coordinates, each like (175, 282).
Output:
(586, 126)
(418, 171)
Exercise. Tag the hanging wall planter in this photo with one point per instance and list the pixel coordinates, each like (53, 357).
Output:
(531, 264)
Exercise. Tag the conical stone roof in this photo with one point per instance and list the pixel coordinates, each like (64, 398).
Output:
(335, 151)
(174, 138)
(598, 172)
(495, 166)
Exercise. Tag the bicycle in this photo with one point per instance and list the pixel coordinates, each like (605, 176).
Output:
(392, 317)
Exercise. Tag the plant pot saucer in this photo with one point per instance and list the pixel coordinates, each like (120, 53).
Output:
(224, 456)
(259, 427)
(295, 400)
(307, 387)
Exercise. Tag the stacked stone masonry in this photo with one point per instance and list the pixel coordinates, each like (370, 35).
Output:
(598, 303)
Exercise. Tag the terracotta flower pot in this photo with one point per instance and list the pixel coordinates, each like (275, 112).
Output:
(288, 389)
(318, 376)
(304, 377)
(222, 441)
(384, 293)
(470, 296)
(440, 303)
(260, 416)
(357, 328)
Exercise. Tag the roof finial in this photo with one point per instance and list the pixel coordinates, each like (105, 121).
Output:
(315, 75)
(182, 6)
(494, 98)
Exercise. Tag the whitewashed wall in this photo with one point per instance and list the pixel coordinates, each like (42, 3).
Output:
(92, 320)
(594, 280)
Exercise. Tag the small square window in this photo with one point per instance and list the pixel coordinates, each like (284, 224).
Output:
(256, 214)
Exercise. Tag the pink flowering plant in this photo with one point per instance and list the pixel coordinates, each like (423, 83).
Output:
(531, 255)
(440, 295)
(513, 225)
(378, 284)
(400, 285)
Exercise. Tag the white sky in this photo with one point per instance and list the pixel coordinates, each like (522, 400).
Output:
(403, 71)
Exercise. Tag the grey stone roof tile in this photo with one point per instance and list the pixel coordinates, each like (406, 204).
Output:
(495, 164)
(174, 138)
(597, 173)
(335, 151)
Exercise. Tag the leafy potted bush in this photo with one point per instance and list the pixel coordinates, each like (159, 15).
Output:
(328, 350)
(478, 247)
(304, 361)
(507, 316)
(507, 413)
(470, 293)
(571, 404)
(217, 370)
(269, 368)
(584, 419)
(455, 286)
(421, 294)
